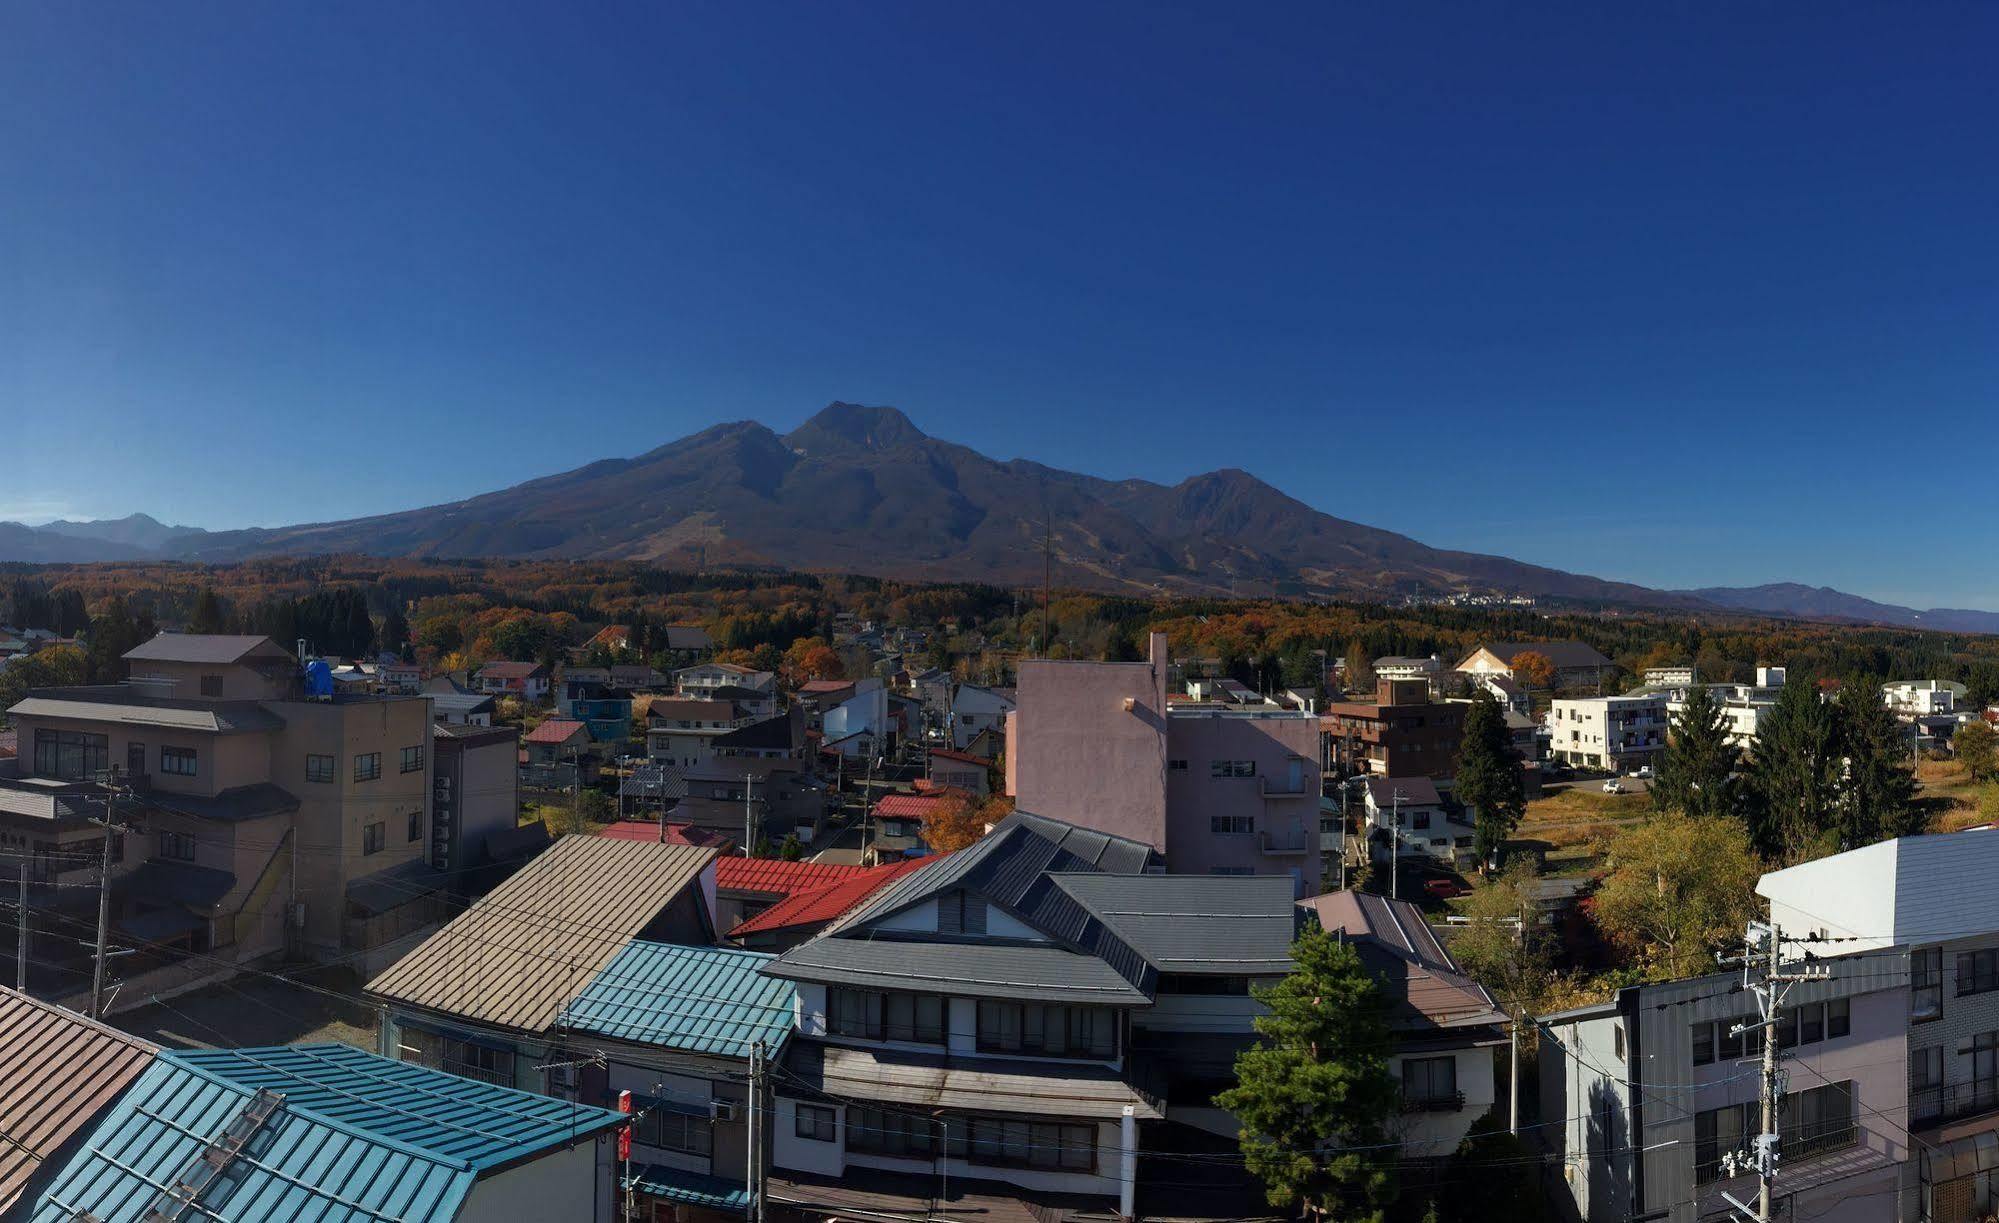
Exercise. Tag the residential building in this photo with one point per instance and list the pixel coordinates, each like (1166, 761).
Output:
(681, 732)
(1743, 706)
(259, 800)
(623, 676)
(703, 678)
(463, 708)
(1922, 698)
(1652, 1089)
(1216, 789)
(1669, 677)
(975, 710)
(958, 771)
(1396, 666)
(1924, 906)
(675, 1026)
(1503, 689)
(332, 1132)
(773, 794)
(559, 754)
(603, 707)
(474, 792)
(1409, 821)
(1615, 733)
(1006, 1018)
(1403, 732)
(1578, 665)
(687, 642)
(895, 825)
(806, 912)
(527, 681)
(745, 887)
(484, 996)
(1444, 1027)
(61, 1073)
(753, 703)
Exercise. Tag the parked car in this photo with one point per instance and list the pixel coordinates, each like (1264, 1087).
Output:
(1613, 786)
(1444, 889)
(1644, 772)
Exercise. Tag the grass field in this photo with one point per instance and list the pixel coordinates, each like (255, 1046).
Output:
(1577, 822)
(1949, 795)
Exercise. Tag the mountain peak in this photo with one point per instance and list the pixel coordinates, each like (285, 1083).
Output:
(853, 426)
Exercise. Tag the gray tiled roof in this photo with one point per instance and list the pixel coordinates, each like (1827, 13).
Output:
(200, 647)
(127, 706)
(930, 1080)
(988, 969)
(239, 803)
(1196, 923)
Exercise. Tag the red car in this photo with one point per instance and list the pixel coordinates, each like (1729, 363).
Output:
(1444, 889)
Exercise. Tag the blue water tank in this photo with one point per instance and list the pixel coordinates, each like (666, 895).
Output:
(319, 680)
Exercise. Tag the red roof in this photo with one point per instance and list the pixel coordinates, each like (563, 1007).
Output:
(777, 877)
(916, 806)
(945, 753)
(829, 903)
(556, 730)
(825, 685)
(620, 634)
(675, 834)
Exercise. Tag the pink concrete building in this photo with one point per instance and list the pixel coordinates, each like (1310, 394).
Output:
(1218, 790)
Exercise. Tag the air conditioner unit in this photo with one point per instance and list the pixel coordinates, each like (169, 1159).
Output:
(722, 1110)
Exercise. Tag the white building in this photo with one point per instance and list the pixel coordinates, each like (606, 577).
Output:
(1922, 698)
(975, 710)
(1670, 677)
(1743, 706)
(1411, 812)
(1396, 666)
(1616, 733)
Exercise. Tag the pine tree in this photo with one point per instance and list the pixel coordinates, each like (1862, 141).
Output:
(1488, 776)
(1316, 1085)
(207, 616)
(1697, 769)
(1792, 794)
(396, 631)
(1878, 799)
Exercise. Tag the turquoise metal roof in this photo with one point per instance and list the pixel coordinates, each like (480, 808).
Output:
(693, 1188)
(696, 999)
(406, 1147)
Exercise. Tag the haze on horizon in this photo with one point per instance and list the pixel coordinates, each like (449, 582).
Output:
(1681, 297)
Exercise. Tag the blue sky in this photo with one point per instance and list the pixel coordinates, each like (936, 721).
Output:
(1682, 294)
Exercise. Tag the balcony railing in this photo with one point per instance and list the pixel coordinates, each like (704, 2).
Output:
(1286, 841)
(1948, 1102)
(1435, 1102)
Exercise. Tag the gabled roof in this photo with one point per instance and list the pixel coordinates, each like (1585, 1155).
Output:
(1564, 654)
(777, 877)
(827, 902)
(512, 670)
(688, 637)
(931, 1081)
(556, 730)
(1229, 924)
(462, 703)
(771, 734)
(61, 1071)
(945, 753)
(814, 687)
(1415, 791)
(674, 833)
(916, 806)
(694, 999)
(1428, 991)
(130, 705)
(524, 949)
(216, 648)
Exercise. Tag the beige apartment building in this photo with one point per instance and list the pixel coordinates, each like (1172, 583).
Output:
(262, 811)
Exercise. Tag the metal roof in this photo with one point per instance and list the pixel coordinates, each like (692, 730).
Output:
(181, 883)
(220, 718)
(695, 999)
(933, 1080)
(528, 946)
(1233, 924)
(61, 1071)
(556, 730)
(823, 904)
(693, 1188)
(249, 802)
(1024, 971)
(1426, 988)
(777, 877)
(202, 647)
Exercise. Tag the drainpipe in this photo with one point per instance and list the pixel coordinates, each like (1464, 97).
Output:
(1127, 1164)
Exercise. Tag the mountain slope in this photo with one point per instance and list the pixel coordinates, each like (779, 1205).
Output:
(142, 533)
(862, 489)
(1825, 603)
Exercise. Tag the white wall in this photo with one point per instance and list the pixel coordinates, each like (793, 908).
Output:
(561, 1185)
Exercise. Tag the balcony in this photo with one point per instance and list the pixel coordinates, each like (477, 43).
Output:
(1947, 1102)
(1286, 841)
(1443, 1102)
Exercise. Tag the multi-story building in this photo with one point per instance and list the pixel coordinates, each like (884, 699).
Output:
(681, 732)
(704, 679)
(1409, 821)
(1396, 666)
(1616, 733)
(1403, 732)
(262, 803)
(474, 793)
(1006, 1018)
(1669, 677)
(1922, 909)
(1578, 665)
(976, 710)
(1217, 789)
(1922, 698)
(1743, 706)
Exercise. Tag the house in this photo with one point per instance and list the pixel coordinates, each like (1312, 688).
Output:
(1618, 734)
(484, 996)
(1216, 789)
(806, 912)
(630, 677)
(527, 681)
(1001, 1022)
(62, 1072)
(680, 732)
(397, 676)
(895, 824)
(329, 1131)
(959, 771)
(669, 832)
(1408, 821)
(775, 795)
(559, 755)
(975, 710)
(1510, 695)
(687, 642)
(1650, 1091)
(702, 679)
(474, 792)
(587, 695)
(745, 887)
(1444, 1027)
(753, 703)
(1577, 664)
(1396, 666)
(1403, 732)
(703, 1012)
(463, 708)
(1923, 698)
(230, 752)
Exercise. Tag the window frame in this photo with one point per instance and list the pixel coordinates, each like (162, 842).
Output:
(815, 1114)
(187, 761)
(367, 766)
(1429, 1066)
(1219, 769)
(1232, 825)
(1977, 971)
(321, 769)
(412, 759)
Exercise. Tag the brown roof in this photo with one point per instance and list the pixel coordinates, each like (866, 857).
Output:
(518, 955)
(1563, 654)
(61, 1071)
(556, 730)
(1428, 992)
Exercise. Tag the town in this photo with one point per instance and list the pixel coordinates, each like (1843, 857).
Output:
(937, 916)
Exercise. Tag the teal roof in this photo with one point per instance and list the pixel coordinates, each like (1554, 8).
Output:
(693, 1188)
(695, 999)
(357, 1137)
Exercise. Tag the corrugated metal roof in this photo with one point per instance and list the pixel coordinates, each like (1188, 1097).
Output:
(1427, 989)
(525, 948)
(1196, 923)
(556, 730)
(929, 1080)
(60, 1070)
(693, 1188)
(777, 877)
(826, 903)
(696, 999)
(200, 647)
(480, 1124)
(990, 970)
(133, 710)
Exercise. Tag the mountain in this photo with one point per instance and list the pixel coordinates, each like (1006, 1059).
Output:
(1824, 603)
(140, 532)
(24, 543)
(862, 489)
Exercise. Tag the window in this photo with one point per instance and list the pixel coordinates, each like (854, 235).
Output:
(1033, 1144)
(413, 759)
(1703, 1043)
(961, 913)
(1176, 766)
(177, 846)
(1926, 983)
(1617, 1040)
(320, 769)
(1429, 1082)
(815, 1121)
(1422, 819)
(1983, 1050)
(416, 825)
(1838, 1018)
(1817, 1120)
(1232, 825)
(1056, 1031)
(482, 1062)
(1231, 768)
(373, 837)
(1188, 983)
(211, 685)
(1926, 1089)
(71, 755)
(1718, 1132)
(879, 1016)
(1977, 971)
(178, 761)
(367, 766)
(900, 1134)
(664, 1126)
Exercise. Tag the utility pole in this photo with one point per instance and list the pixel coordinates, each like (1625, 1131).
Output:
(1764, 942)
(113, 790)
(21, 933)
(749, 782)
(1395, 849)
(752, 1172)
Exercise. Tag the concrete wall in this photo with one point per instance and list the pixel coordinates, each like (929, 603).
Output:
(564, 1184)
(1435, 1134)
(1281, 800)
(1076, 752)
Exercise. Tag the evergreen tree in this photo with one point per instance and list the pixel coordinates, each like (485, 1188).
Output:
(207, 616)
(1488, 775)
(112, 635)
(396, 631)
(1792, 791)
(1697, 769)
(1880, 785)
(1316, 1085)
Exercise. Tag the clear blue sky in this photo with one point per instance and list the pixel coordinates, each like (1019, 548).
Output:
(1683, 294)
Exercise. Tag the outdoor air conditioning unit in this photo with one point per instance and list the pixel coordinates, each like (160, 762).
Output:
(722, 1110)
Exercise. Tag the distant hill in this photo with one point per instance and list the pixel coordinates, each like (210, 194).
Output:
(1825, 603)
(143, 533)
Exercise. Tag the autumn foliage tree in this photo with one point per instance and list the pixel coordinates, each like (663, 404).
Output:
(953, 825)
(1534, 669)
